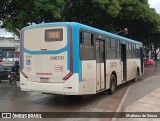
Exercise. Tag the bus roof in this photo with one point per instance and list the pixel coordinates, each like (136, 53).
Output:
(82, 26)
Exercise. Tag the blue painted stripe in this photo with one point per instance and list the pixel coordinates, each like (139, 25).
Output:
(77, 63)
(81, 26)
(45, 52)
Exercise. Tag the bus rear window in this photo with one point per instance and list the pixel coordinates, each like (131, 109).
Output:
(53, 35)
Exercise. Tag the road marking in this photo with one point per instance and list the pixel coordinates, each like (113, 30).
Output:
(126, 93)
(120, 104)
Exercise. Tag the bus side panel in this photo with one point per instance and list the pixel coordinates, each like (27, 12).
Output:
(88, 83)
(131, 72)
(23, 83)
(132, 68)
(113, 66)
(71, 86)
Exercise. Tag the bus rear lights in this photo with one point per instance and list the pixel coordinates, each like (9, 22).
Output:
(67, 87)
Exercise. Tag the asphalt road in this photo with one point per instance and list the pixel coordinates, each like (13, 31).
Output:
(12, 99)
(149, 82)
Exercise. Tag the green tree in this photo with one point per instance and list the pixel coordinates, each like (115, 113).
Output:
(110, 15)
(19, 13)
(137, 17)
(96, 13)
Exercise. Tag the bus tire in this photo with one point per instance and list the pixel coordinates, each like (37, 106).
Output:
(137, 75)
(113, 84)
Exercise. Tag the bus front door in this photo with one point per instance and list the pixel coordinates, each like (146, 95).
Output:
(100, 62)
(123, 62)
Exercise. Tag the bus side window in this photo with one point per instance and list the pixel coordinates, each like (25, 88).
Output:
(137, 51)
(86, 46)
(112, 49)
(133, 52)
(118, 49)
(108, 53)
(129, 50)
(81, 38)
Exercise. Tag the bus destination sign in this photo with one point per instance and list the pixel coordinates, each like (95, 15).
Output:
(53, 35)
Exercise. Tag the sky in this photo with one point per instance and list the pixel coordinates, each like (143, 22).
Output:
(155, 4)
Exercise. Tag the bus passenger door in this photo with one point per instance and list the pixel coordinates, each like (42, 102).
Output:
(100, 60)
(123, 62)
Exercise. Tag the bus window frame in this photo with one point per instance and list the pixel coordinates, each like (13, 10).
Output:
(81, 42)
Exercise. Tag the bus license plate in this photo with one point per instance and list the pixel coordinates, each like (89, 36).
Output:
(44, 80)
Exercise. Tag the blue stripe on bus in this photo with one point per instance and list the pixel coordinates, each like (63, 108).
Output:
(45, 52)
(77, 63)
(81, 26)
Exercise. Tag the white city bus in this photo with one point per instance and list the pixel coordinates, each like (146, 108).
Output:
(69, 58)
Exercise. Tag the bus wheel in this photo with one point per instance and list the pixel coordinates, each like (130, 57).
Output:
(113, 84)
(137, 74)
